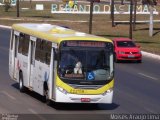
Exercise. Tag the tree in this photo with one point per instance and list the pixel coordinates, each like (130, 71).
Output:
(7, 5)
(131, 18)
(149, 2)
(135, 14)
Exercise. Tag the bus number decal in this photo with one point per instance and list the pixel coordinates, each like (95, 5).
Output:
(77, 91)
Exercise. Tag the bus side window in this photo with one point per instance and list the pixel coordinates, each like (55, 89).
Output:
(43, 51)
(11, 39)
(20, 47)
(16, 44)
(25, 45)
(38, 52)
(48, 52)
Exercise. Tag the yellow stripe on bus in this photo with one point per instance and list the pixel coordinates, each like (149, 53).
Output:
(72, 90)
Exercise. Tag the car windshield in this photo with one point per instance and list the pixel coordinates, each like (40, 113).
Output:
(125, 44)
(83, 63)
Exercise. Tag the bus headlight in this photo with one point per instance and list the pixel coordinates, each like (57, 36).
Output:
(62, 90)
(108, 91)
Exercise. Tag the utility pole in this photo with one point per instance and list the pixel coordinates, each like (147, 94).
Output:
(135, 14)
(31, 4)
(17, 8)
(131, 17)
(91, 16)
(112, 13)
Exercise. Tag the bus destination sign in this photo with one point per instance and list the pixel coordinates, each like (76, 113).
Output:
(85, 44)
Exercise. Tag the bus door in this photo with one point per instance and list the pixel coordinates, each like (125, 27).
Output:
(32, 61)
(11, 54)
(42, 65)
(53, 68)
(15, 61)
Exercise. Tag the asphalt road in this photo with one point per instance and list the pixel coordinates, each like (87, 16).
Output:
(136, 90)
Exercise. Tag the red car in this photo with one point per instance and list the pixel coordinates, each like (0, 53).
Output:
(126, 49)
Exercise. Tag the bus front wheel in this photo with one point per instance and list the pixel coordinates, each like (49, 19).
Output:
(46, 94)
(21, 85)
(46, 98)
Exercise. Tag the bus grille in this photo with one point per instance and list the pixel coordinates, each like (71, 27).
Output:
(85, 86)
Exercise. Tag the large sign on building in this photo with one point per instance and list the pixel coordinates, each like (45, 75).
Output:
(84, 8)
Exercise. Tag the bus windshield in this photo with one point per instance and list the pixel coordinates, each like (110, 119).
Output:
(86, 65)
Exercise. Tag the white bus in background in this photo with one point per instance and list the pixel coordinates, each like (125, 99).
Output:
(61, 64)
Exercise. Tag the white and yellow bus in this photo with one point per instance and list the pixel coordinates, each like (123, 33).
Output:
(61, 64)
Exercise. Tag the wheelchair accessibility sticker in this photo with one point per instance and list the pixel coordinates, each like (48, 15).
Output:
(90, 76)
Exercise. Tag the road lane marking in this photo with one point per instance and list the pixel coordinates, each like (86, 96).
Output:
(148, 76)
(149, 110)
(140, 104)
(36, 114)
(32, 111)
(8, 95)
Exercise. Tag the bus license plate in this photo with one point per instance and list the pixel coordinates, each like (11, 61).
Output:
(85, 99)
(130, 56)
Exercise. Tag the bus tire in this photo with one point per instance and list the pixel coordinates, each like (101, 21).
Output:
(46, 98)
(21, 85)
(139, 61)
(46, 95)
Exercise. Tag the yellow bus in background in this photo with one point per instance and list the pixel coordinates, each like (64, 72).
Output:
(61, 64)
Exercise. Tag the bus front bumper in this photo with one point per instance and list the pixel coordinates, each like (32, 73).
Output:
(64, 97)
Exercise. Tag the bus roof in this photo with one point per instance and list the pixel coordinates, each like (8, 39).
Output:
(54, 33)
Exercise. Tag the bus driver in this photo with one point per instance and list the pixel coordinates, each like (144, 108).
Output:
(78, 68)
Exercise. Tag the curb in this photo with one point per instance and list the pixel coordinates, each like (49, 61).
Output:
(150, 55)
(19, 19)
(7, 27)
(146, 54)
